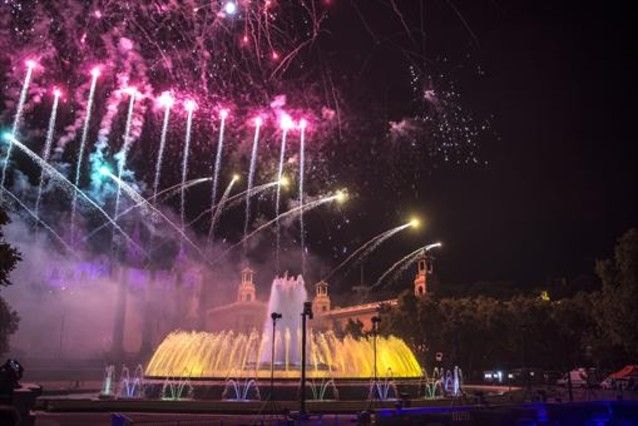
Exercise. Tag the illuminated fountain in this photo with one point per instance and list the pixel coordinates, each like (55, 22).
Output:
(230, 354)
(131, 387)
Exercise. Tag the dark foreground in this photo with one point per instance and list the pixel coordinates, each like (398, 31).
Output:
(594, 413)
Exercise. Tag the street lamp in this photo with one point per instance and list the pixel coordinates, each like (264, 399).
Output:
(305, 314)
(375, 330)
(274, 316)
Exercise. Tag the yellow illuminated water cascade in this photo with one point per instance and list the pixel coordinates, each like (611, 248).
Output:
(230, 354)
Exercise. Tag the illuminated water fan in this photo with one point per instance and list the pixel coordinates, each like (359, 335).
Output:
(226, 353)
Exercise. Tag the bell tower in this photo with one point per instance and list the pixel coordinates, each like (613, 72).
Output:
(424, 268)
(321, 301)
(246, 291)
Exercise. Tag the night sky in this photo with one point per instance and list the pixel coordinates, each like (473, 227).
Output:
(548, 188)
(560, 184)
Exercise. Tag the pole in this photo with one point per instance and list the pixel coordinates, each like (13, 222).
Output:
(272, 355)
(374, 348)
(307, 313)
(375, 329)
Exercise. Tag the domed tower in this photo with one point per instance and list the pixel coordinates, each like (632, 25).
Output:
(424, 268)
(321, 301)
(246, 291)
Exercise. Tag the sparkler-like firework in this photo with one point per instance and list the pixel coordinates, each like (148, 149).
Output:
(46, 152)
(286, 124)
(166, 101)
(369, 246)
(401, 264)
(121, 156)
(190, 106)
(31, 64)
(95, 73)
(70, 186)
(223, 114)
(251, 175)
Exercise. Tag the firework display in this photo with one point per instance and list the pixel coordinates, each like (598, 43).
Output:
(163, 94)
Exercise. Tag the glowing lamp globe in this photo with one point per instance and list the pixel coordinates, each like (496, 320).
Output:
(259, 121)
(166, 100)
(236, 177)
(7, 136)
(57, 92)
(284, 182)
(415, 222)
(190, 105)
(230, 8)
(30, 63)
(286, 122)
(95, 72)
(104, 170)
(223, 113)
(303, 123)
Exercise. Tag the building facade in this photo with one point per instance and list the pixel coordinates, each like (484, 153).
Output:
(247, 313)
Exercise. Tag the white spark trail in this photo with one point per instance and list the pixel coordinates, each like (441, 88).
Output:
(46, 151)
(16, 120)
(85, 133)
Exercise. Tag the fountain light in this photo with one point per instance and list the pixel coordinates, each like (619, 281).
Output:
(7, 136)
(258, 121)
(303, 123)
(31, 63)
(415, 222)
(96, 71)
(57, 92)
(284, 182)
(223, 113)
(236, 177)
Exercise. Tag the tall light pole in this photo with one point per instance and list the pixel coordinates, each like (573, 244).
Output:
(274, 316)
(375, 330)
(305, 314)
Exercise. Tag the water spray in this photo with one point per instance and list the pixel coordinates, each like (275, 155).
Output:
(31, 64)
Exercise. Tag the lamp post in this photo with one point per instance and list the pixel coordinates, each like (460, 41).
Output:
(274, 316)
(305, 314)
(375, 330)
